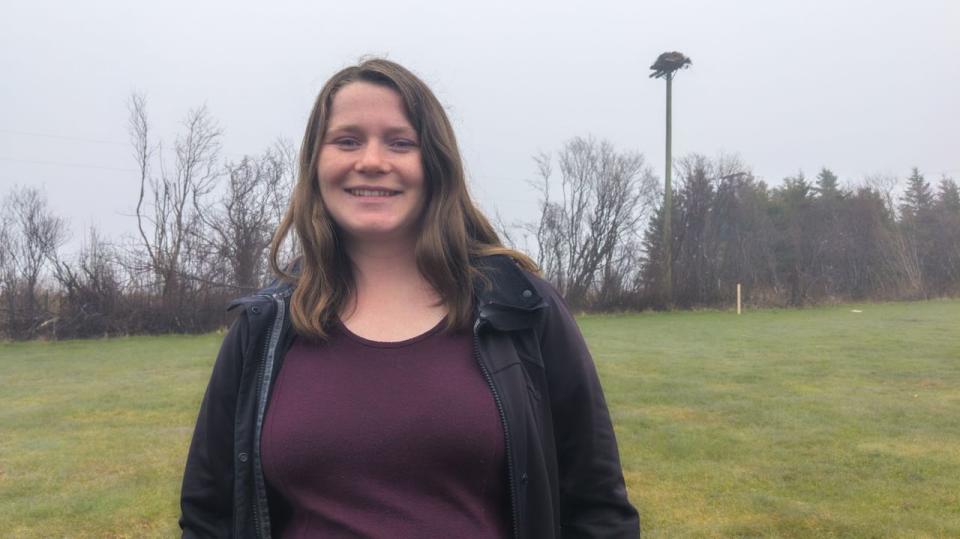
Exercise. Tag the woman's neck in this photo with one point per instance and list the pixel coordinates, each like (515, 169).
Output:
(384, 262)
(392, 299)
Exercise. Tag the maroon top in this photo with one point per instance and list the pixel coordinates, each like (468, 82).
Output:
(373, 439)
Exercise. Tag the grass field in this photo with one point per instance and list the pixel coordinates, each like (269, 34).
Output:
(805, 423)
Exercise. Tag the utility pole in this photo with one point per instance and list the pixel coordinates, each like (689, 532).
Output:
(665, 67)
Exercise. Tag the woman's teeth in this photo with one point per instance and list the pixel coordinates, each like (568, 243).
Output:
(371, 193)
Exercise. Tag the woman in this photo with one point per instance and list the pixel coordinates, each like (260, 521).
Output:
(411, 377)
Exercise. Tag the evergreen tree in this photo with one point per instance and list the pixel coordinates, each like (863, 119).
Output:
(651, 272)
(694, 264)
(948, 197)
(828, 185)
(744, 237)
(826, 227)
(917, 199)
(945, 250)
(791, 214)
(919, 225)
(867, 246)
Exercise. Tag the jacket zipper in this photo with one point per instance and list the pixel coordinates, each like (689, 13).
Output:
(261, 516)
(503, 421)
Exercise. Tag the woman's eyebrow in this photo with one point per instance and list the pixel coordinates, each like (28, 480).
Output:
(354, 128)
(349, 128)
(401, 130)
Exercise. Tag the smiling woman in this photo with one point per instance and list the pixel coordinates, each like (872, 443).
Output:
(411, 377)
(371, 179)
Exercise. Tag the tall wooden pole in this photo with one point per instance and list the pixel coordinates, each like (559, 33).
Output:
(668, 207)
(665, 66)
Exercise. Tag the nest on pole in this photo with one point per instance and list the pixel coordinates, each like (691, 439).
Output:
(669, 62)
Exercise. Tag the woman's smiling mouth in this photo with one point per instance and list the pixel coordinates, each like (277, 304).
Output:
(363, 192)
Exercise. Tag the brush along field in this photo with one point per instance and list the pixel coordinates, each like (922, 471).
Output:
(780, 423)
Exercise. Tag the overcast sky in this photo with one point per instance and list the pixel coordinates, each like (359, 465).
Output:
(862, 87)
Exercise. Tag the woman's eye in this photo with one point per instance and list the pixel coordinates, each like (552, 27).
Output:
(403, 144)
(348, 143)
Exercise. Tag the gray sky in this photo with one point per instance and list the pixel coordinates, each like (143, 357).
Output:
(863, 87)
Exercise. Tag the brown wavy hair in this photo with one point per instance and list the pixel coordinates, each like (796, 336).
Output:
(453, 231)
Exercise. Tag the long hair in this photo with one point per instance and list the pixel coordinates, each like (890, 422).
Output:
(453, 231)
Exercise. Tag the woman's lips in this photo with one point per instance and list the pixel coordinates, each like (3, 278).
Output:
(365, 192)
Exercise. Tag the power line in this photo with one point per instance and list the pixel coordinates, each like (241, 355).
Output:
(63, 137)
(59, 164)
(82, 139)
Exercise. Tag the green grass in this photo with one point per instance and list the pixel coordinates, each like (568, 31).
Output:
(804, 423)
(94, 434)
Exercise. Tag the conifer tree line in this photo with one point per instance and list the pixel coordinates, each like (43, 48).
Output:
(805, 241)
(599, 234)
(203, 225)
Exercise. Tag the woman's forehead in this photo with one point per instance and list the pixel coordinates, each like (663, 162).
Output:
(362, 104)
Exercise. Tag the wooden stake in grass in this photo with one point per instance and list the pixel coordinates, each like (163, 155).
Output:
(738, 298)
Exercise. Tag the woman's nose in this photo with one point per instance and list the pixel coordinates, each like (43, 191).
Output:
(373, 159)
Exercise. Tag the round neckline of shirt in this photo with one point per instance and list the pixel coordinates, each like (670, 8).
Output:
(389, 344)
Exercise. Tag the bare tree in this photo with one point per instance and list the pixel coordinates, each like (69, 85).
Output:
(166, 207)
(33, 236)
(8, 272)
(603, 197)
(242, 222)
(885, 185)
(505, 231)
(285, 155)
(91, 291)
(288, 161)
(546, 230)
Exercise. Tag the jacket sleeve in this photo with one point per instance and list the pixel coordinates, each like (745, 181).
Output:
(206, 498)
(593, 495)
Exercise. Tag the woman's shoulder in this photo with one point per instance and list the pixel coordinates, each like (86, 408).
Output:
(507, 272)
(502, 276)
(277, 290)
(254, 313)
(507, 283)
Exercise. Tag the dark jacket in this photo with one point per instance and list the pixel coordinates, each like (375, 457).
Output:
(563, 467)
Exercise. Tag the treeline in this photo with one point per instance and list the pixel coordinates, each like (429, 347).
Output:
(804, 241)
(204, 224)
(599, 234)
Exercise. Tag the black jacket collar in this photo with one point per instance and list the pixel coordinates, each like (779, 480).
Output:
(507, 298)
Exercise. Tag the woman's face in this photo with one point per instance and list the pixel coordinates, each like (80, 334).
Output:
(369, 168)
